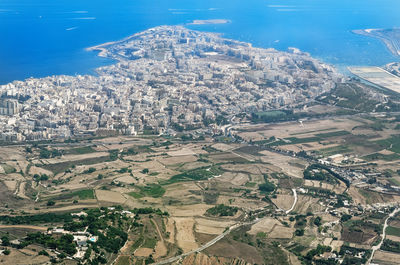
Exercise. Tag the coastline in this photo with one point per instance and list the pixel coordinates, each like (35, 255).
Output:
(209, 22)
(392, 43)
(102, 48)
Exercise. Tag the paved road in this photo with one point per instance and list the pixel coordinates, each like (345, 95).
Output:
(295, 201)
(221, 236)
(207, 245)
(375, 248)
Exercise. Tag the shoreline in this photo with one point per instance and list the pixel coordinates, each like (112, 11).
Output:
(391, 42)
(209, 22)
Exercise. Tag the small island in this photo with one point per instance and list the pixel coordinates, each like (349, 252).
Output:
(209, 22)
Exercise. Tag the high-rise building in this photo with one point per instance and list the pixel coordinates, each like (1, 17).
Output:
(9, 107)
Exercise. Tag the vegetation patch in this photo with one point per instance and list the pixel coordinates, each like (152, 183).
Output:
(351, 253)
(350, 96)
(392, 143)
(222, 210)
(340, 149)
(332, 134)
(378, 156)
(195, 174)
(150, 190)
(315, 172)
(36, 219)
(81, 194)
(63, 166)
(295, 140)
(80, 150)
(394, 231)
(8, 169)
(268, 186)
(390, 245)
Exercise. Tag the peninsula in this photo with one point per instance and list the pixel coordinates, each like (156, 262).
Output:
(167, 79)
(390, 37)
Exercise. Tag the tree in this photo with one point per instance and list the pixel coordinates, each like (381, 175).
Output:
(5, 240)
(299, 232)
(345, 218)
(317, 221)
(145, 171)
(267, 187)
(43, 253)
(51, 203)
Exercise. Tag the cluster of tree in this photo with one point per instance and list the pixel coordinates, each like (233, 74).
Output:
(113, 240)
(390, 245)
(319, 192)
(46, 153)
(360, 225)
(275, 116)
(123, 170)
(309, 174)
(113, 155)
(222, 210)
(301, 220)
(345, 218)
(130, 151)
(351, 254)
(308, 258)
(41, 177)
(197, 174)
(64, 243)
(34, 219)
(267, 186)
(149, 210)
(317, 221)
(89, 170)
(220, 120)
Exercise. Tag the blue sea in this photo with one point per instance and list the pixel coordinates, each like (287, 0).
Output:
(47, 37)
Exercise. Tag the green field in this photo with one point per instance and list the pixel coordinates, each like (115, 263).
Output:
(8, 169)
(84, 194)
(317, 138)
(295, 140)
(80, 150)
(151, 190)
(80, 194)
(341, 149)
(378, 156)
(313, 131)
(250, 184)
(123, 260)
(149, 243)
(272, 113)
(393, 231)
(195, 174)
(332, 134)
(394, 181)
(63, 166)
(392, 143)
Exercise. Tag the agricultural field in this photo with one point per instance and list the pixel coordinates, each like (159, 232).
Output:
(285, 193)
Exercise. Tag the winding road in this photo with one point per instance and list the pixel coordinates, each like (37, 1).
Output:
(221, 236)
(294, 203)
(377, 247)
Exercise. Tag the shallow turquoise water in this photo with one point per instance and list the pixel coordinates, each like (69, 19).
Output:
(46, 37)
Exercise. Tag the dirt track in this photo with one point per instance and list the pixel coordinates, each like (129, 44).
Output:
(41, 228)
